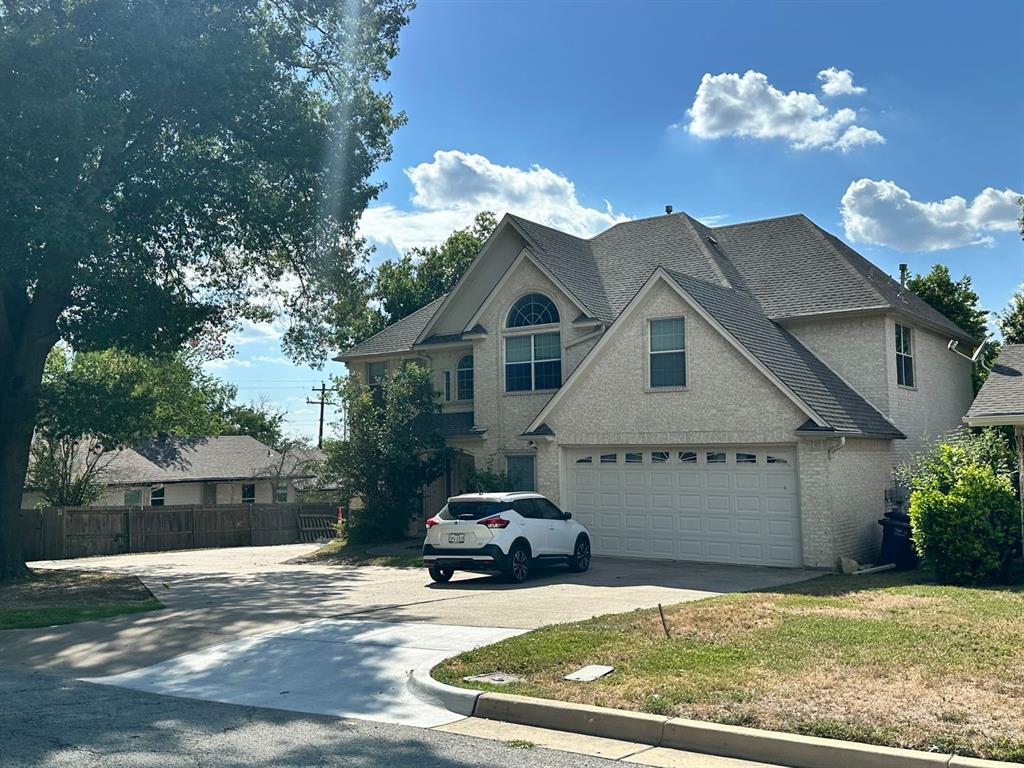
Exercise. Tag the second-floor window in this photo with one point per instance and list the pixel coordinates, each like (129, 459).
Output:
(904, 356)
(533, 361)
(668, 353)
(375, 373)
(464, 378)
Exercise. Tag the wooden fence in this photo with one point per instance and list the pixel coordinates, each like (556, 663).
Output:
(52, 533)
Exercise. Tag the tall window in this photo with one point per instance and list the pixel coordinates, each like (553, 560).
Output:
(248, 493)
(533, 361)
(464, 378)
(447, 376)
(520, 471)
(668, 353)
(904, 356)
(156, 496)
(533, 309)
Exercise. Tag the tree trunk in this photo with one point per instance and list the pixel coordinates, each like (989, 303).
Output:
(28, 332)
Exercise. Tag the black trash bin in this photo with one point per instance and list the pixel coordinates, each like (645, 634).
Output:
(897, 545)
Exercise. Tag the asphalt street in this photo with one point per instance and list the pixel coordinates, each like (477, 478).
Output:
(50, 722)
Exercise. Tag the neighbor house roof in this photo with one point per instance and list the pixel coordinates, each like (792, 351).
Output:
(208, 458)
(1001, 399)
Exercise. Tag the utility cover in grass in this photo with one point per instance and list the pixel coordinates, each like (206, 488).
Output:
(589, 673)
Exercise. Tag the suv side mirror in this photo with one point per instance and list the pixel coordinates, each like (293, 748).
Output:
(567, 515)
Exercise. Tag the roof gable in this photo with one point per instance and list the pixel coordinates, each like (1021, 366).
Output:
(829, 402)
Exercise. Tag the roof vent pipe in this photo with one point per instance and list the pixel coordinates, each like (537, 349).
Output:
(668, 209)
(903, 277)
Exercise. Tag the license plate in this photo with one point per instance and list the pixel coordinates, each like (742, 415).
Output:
(456, 538)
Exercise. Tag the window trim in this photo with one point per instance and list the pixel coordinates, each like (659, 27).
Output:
(648, 354)
(907, 334)
(533, 333)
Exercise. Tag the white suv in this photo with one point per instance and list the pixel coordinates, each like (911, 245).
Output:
(503, 532)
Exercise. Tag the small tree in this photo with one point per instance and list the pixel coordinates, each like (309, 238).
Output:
(68, 472)
(1011, 321)
(394, 448)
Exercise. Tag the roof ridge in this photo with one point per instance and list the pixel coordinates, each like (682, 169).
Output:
(737, 224)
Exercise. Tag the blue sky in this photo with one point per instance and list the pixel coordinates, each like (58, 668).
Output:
(896, 126)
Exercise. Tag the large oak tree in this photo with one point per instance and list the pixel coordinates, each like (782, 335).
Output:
(170, 166)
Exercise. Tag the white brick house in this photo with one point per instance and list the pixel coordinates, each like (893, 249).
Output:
(733, 394)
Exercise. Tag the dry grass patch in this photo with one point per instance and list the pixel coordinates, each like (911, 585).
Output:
(886, 659)
(45, 598)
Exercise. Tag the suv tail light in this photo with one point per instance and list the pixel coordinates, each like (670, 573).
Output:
(432, 521)
(495, 522)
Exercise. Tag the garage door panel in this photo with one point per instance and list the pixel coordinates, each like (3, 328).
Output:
(742, 510)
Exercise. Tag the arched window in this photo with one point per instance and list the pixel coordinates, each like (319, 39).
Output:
(533, 361)
(464, 378)
(532, 309)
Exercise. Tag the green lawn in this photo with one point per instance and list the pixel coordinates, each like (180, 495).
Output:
(46, 598)
(340, 552)
(886, 659)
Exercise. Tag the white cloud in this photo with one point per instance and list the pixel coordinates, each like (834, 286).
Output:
(249, 332)
(729, 104)
(882, 213)
(453, 187)
(272, 360)
(227, 362)
(838, 82)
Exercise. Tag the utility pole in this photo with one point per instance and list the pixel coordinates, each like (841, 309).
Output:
(321, 401)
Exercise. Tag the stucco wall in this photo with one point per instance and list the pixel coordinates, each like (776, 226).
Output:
(853, 347)
(727, 400)
(506, 415)
(176, 494)
(942, 390)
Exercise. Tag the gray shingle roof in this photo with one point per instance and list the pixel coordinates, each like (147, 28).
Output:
(398, 337)
(798, 368)
(750, 274)
(1003, 391)
(207, 458)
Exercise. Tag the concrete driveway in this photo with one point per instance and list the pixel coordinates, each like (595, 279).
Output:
(219, 596)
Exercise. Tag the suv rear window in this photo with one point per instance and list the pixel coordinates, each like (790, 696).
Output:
(470, 510)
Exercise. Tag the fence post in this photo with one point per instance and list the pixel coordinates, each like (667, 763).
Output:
(62, 534)
(250, 525)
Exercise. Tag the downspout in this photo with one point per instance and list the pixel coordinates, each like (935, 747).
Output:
(838, 447)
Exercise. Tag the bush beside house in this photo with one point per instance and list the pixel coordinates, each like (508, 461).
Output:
(963, 509)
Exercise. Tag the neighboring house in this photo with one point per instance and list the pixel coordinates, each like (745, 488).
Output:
(207, 471)
(733, 394)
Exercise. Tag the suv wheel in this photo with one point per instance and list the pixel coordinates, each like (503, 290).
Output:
(580, 560)
(518, 564)
(440, 575)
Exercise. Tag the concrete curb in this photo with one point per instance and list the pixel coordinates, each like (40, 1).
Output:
(697, 736)
(461, 701)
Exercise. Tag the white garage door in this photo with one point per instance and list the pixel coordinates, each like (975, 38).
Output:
(728, 505)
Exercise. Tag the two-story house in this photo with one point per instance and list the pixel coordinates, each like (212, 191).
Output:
(733, 394)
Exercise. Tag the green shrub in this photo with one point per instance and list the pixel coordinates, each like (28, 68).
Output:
(987, 447)
(964, 520)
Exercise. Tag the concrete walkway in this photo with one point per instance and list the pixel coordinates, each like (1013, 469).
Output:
(340, 667)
